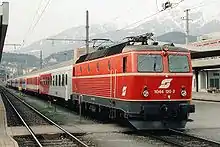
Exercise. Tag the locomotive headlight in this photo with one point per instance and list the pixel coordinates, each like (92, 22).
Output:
(145, 93)
(183, 92)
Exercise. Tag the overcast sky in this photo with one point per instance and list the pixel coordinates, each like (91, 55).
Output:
(64, 14)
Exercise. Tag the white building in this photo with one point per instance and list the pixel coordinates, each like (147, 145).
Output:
(207, 78)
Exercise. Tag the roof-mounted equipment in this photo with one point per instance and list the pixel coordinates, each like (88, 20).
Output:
(141, 38)
(100, 46)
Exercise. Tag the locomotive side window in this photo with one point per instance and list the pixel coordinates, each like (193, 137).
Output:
(80, 69)
(88, 68)
(97, 66)
(150, 63)
(124, 64)
(109, 65)
(178, 63)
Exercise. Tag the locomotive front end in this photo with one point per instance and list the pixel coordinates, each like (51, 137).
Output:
(163, 89)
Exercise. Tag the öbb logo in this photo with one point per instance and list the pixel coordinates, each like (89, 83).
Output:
(165, 83)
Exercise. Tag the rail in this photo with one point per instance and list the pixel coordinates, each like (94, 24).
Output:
(79, 142)
(181, 139)
(23, 121)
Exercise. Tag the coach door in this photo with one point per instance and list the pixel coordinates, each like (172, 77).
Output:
(66, 82)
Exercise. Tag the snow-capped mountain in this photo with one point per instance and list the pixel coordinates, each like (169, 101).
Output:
(166, 22)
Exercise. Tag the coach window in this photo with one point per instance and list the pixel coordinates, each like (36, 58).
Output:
(63, 79)
(53, 80)
(59, 80)
(124, 64)
(56, 80)
(66, 79)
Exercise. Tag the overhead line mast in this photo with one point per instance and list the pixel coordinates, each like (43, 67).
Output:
(86, 39)
(187, 24)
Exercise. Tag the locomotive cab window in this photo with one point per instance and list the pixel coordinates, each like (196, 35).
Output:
(178, 63)
(124, 64)
(150, 63)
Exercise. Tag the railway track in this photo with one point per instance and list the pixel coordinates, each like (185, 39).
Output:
(65, 139)
(180, 139)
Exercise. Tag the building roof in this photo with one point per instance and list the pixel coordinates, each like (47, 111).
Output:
(4, 14)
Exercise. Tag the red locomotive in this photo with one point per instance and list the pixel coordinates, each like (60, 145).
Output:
(150, 85)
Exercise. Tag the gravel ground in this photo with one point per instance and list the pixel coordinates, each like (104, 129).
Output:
(55, 140)
(203, 124)
(30, 117)
(12, 118)
(211, 133)
(110, 139)
(124, 140)
(60, 115)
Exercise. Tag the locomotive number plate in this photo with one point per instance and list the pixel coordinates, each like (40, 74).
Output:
(168, 91)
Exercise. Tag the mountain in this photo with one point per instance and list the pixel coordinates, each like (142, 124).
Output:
(58, 57)
(78, 33)
(20, 59)
(176, 37)
(165, 27)
(16, 64)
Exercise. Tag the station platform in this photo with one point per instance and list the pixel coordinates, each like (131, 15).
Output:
(5, 139)
(204, 96)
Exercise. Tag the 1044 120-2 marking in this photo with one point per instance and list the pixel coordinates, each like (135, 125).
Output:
(161, 91)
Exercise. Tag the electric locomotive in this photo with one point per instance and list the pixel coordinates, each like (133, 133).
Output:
(148, 84)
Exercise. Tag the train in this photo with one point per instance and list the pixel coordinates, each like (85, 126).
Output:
(147, 84)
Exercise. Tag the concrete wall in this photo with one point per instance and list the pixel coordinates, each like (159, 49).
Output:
(207, 79)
